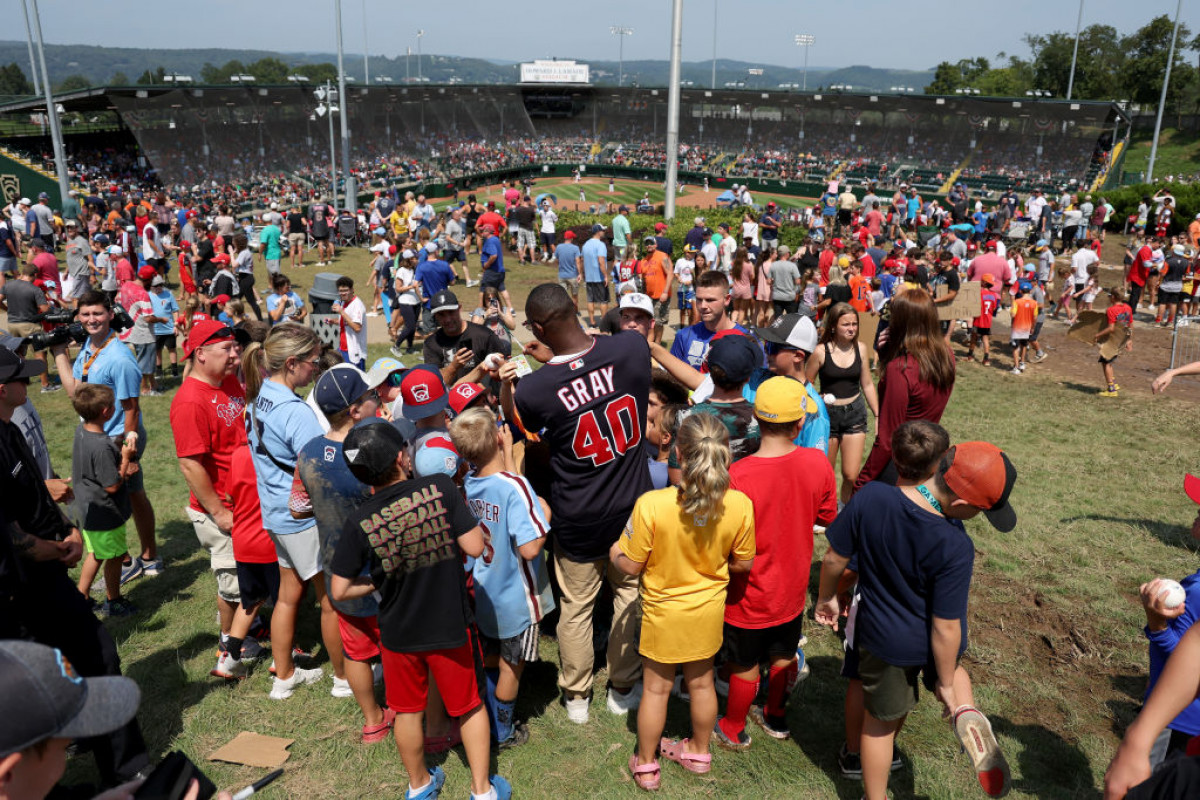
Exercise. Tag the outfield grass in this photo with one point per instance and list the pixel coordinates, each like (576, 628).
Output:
(1178, 153)
(1057, 653)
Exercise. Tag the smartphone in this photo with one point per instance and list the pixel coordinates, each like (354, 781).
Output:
(170, 780)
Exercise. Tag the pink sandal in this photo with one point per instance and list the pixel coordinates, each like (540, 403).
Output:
(646, 776)
(699, 763)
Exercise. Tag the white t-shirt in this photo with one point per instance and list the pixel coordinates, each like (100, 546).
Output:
(750, 230)
(356, 341)
(1081, 261)
(149, 237)
(685, 270)
(549, 218)
(404, 277)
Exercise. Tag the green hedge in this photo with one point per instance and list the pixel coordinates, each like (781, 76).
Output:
(643, 224)
(1125, 202)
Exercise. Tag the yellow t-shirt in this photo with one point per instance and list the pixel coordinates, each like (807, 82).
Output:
(687, 571)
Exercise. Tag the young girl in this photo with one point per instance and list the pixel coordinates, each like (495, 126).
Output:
(762, 289)
(684, 543)
(1090, 288)
(629, 272)
(1064, 297)
(743, 286)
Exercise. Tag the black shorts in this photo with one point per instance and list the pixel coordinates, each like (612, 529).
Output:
(1166, 298)
(1037, 331)
(983, 331)
(257, 583)
(945, 323)
(518, 649)
(491, 279)
(166, 340)
(748, 647)
(1079, 287)
(844, 216)
(456, 255)
(1104, 360)
(548, 241)
(597, 292)
(321, 238)
(848, 419)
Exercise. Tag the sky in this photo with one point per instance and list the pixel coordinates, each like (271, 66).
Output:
(913, 34)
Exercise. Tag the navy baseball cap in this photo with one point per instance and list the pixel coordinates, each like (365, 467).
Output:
(371, 450)
(339, 388)
(736, 355)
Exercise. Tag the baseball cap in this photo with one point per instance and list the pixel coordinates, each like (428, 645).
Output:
(784, 250)
(408, 254)
(463, 394)
(338, 389)
(981, 474)
(988, 279)
(650, 240)
(1025, 286)
(990, 244)
(13, 367)
(1191, 486)
(158, 281)
(771, 204)
(392, 249)
(381, 369)
(971, 246)
(699, 220)
(737, 356)
(838, 243)
(11, 342)
(660, 226)
(622, 209)
(371, 450)
(436, 456)
(71, 224)
(443, 301)
(147, 272)
(689, 248)
(221, 258)
(598, 227)
(100, 238)
(114, 250)
(222, 298)
(489, 229)
(723, 225)
(431, 247)
(782, 399)
(795, 331)
(24, 201)
(569, 235)
(212, 331)
(42, 696)
(423, 392)
(639, 301)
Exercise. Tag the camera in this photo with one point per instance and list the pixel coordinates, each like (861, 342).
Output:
(67, 330)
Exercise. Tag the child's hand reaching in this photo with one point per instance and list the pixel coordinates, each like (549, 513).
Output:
(827, 612)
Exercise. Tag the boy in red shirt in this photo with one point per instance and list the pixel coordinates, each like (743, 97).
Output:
(1138, 272)
(1119, 313)
(793, 488)
(1024, 314)
(981, 326)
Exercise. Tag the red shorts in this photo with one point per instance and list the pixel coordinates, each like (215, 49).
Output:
(360, 636)
(458, 672)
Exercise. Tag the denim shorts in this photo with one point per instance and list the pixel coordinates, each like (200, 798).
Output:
(848, 419)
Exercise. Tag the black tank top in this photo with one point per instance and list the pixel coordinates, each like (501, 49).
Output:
(841, 382)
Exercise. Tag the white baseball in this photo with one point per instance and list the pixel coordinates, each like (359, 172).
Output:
(492, 361)
(1171, 593)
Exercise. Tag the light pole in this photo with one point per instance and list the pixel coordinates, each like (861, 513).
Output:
(1075, 53)
(37, 84)
(805, 40)
(60, 156)
(366, 47)
(326, 96)
(1162, 101)
(621, 31)
(419, 35)
(351, 195)
(673, 93)
(715, 28)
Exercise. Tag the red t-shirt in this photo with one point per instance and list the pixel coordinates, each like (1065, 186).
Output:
(791, 494)
(824, 263)
(988, 303)
(251, 543)
(209, 424)
(493, 219)
(1140, 270)
(868, 265)
(1120, 312)
(47, 267)
(874, 220)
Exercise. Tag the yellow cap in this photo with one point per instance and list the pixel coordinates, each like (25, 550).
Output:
(781, 399)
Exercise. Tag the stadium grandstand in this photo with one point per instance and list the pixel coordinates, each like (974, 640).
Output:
(250, 142)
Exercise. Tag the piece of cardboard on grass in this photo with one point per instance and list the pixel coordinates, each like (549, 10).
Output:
(254, 750)
(965, 305)
(1089, 323)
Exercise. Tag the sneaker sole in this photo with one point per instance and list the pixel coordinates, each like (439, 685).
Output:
(760, 719)
(975, 734)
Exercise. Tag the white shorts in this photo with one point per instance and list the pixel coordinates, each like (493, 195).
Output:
(299, 551)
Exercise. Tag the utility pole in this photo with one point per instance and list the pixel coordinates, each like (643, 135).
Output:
(1162, 101)
(60, 155)
(343, 101)
(1075, 53)
(673, 93)
(37, 86)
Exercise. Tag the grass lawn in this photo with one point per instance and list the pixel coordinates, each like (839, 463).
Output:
(1057, 654)
(1178, 153)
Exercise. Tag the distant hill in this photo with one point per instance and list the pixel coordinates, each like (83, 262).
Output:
(99, 65)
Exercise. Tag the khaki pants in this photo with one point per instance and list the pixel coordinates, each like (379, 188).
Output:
(580, 583)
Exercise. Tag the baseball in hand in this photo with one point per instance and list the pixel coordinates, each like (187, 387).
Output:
(1171, 592)
(493, 361)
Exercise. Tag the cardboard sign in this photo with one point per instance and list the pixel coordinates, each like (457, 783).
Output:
(1089, 324)
(868, 324)
(965, 305)
(254, 750)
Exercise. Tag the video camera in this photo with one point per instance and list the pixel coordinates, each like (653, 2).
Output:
(67, 330)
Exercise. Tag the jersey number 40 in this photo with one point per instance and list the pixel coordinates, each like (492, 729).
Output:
(624, 432)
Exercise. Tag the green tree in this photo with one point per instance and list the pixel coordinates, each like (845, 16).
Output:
(946, 78)
(152, 77)
(318, 73)
(1146, 62)
(269, 70)
(13, 81)
(118, 79)
(73, 83)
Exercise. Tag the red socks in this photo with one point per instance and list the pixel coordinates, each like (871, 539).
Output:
(741, 697)
(778, 680)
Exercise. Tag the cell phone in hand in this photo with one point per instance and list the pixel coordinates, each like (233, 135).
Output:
(171, 778)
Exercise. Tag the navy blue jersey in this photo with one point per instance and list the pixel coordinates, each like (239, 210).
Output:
(592, 409)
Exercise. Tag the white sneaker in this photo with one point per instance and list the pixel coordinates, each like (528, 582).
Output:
(228, 668)
(622, 704)
(341, 688)
(282, 689)
(1016, 370)
(577, 710)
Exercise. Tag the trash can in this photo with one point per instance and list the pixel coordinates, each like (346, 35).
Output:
(323, 293)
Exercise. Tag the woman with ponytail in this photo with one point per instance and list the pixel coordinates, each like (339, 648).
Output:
(684, 542)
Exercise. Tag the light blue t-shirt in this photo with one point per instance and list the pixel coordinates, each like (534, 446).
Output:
(279, 424)
(270, 238)
(274, 299)
(566, 253)
(815, 432)
(116, 368)
(510, 593)
(164, 306)
(593, 251)
(620, 229)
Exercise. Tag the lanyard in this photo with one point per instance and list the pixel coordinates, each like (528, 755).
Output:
(928, 495)
(87, 365)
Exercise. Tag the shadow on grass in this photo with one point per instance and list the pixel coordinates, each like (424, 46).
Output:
(1049, 765)
(1122, 710)
(1165, 532)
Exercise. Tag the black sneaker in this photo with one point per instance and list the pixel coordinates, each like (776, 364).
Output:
(775, 727)
(518, 737)
(118, 608)
(851, 764)
(252, 650)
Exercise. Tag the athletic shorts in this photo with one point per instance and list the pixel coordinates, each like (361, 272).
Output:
(322, 238)
(272, 265)
(298, 551)
(81, 286)
(166, 340)
(1166, 298)
(597, 292)
(890, 692)
(662, 311)
(848, 419)
(106, 544)
(360, 636)
(145, 355)
(8, 266)
(491, 279)
(983, 331)
(748, 647)
(1104, 360)
(684, 298)
(1037, 330)
(455, 255)
(257, 583)
(220, 553)
(548, 241)
(458, 672)
(570, 286)
(517, 649)
(297, 239)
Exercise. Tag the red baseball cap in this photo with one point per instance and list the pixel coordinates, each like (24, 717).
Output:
(1191, 486)
(221, 298)
(660, 226)
(211, 331)
(221, 258)
(569, 235)
(463, 394)
(422, 392)
(838, 243)
(487, 229)
(147, 272)
(981, 474)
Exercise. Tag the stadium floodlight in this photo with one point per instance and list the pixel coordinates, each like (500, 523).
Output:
(420, 33)
(297, 78)
(386, 79)
(242, 78)
(805, 40)
(175, 77)
(620, 31)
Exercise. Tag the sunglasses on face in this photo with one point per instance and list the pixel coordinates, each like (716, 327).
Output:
(773, 349)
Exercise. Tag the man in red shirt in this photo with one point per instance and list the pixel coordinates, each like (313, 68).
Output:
(46, 263)
(828, 256)
(490, 217)
(866, 264)
(208, 420)
(874, 221)
(1119, 313)
(1137, 273)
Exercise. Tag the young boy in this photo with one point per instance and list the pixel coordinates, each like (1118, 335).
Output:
(793, 488)
(981, 326)
(1119, 313)
(1024, 313)
(98, 472)
(164, 310)
(352, 321)
(512, 587)
(409, 538)
(660, 436)
(914, 563)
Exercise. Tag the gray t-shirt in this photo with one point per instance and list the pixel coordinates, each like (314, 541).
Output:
(29, 422)
(95, 465)
(23, 299)
(77, 258)
(455, 235)
(785, 274)
(45, 219)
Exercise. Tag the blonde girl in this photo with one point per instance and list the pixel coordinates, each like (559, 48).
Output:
(743, 286)
(684, 542)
